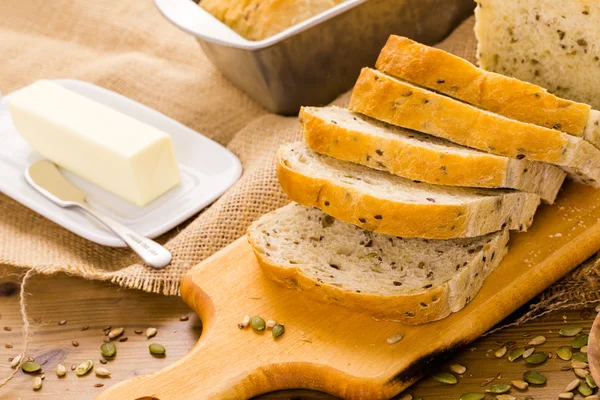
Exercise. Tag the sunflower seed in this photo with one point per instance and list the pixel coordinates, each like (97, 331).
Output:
(500, 352)
(584, 349)
(271, 323)
(472, 396)
(395, 338)
(519, 384)
(64, 321)
(16, 361)
(573, 385)
(534, 377)
(102, 372)
(536, 341)
(578, 364)
(150, 332)
(582, 373)
(580, 341)
(114, 333)
(487, 381)
(567, 395)
(593, 397)
(570, 331)
(537, 358)
(498, 388)
(505, 397)
(445, 377)
(528, 352)
(458, 369)
(37, 383)
(61, 370)
(564, 353)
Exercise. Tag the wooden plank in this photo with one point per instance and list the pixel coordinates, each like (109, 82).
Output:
(339, 351)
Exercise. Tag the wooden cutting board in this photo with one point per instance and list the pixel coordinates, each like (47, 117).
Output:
(333, 349)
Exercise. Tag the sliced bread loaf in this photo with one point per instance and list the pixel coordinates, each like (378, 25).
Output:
(409, 280)
(345, 135)
(449, 74)
(381, 202)
(399, 103)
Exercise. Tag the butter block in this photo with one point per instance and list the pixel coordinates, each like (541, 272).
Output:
(116, 152)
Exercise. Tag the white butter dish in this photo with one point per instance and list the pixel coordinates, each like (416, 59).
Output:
(207, 168)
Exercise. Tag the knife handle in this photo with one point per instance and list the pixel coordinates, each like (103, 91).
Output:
(151, 252)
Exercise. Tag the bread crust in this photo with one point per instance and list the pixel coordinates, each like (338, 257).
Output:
(431, 221)
(456, 77)
(440, 301)
(390, 100)
(427, 164)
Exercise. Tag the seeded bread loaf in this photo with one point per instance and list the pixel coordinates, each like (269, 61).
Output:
(399, 103)
(409, 280)
(456, 77)
(385, 203)
(551, 43)
(345, 135)
(260, 19)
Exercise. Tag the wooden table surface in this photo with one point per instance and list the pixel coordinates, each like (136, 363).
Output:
(96, 304)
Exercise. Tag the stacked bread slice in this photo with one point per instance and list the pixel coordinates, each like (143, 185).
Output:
(403, 201)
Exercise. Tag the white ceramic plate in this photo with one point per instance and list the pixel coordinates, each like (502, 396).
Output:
(208, 169)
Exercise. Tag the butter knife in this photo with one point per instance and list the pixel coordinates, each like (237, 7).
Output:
(47, 179)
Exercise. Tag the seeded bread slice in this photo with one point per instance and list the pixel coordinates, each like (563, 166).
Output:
(381, 202)
(456, 77)
(409, 280)
(399, 103)
(345, 135)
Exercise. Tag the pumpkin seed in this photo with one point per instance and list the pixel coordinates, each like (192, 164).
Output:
(500, 352)
(37, 383)
(458, 369)
(114, 333)
(30, 366)
(519, 384)
(61, 370)
(570, 331)
(278, 330)
(537, 340)
(16, 361)
(528, 352)
(590, 381)
(534, 377)
(102, 372)
(108, 349)
(150, 332)
(580, 357)
(573, 385)
(585, 389)
(84, 367)
(564, 353)
(516, 353)
(582, 373)
(257, 323)
(472, 396)
(157, 349)
(445, 377)
(580, 341)
(537, 358)
(567, 395)
(498, 388)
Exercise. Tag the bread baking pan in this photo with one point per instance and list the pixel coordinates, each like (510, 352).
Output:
(314, 61)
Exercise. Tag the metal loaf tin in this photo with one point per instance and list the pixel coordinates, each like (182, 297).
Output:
(314, 61)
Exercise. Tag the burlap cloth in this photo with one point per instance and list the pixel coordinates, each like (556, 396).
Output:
(128, 47)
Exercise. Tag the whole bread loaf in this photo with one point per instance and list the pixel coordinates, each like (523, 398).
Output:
(409, 280)
(553, 44)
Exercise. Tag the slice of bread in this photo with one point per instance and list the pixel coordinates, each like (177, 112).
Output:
(409, 280)
(399, 103)
(551, 43)
(345, 135)
(456, 77)
(381, 202)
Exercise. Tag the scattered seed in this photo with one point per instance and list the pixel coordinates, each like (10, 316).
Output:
(534, 377)
(99, 385)
(487, 381)
(580, 372)
(567, 395)
(516, 353)
(75, 343)
(138, 331)
(498, 388)
(536, 341)
(578, 364)
(150, 332)
(584, 389)
(564, 353)
(184, 318)
(8, 345)
(42, 375)
(580, 357)
(61, 370)
(102, 361)
(499, 376)
(572, 385)
(445, 377)
(16, 361)
(257, 323)
(271, 323)
(7, 328)
(472, 396)
(73, 366)
(593, 397)
(458, 369)
(108, 349)
(589, 379)
(570, 331)
(37, 383)
(537, 358)
(102, 372)
(278, 330)
(519, 384)
(580, 341)
(528, 352)
(500, 352)
(84, 367)
(63, 322)
(505, 397)
(565, 368)
(30, 366)
(123, 339)
(85, 328)
(114, 333)
(157, 349)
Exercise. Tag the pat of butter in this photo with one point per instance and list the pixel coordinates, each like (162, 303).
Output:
(116, 152)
